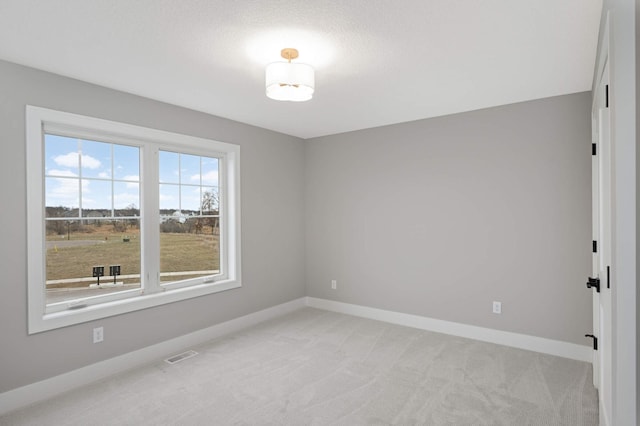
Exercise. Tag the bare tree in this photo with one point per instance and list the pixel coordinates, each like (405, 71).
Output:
(209, 208)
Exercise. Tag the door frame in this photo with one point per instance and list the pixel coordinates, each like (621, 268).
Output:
(602, 230)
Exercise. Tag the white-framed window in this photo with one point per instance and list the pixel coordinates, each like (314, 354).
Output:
(123, 217)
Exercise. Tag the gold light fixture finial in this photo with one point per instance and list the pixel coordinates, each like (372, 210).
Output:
(289, 53)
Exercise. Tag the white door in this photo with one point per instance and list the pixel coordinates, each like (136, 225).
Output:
(602, 234)
(595, 232)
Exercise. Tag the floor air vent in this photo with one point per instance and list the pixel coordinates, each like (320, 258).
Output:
(180, 357)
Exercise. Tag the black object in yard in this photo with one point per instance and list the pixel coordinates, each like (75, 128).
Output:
(98, 271)
(114, 271)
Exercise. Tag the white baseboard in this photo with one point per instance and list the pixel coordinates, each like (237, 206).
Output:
(39, 391)
(521, 341)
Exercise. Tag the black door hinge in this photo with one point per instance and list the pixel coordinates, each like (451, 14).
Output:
(594, 246)
(595, 341)
(593, 149)
(594, 282)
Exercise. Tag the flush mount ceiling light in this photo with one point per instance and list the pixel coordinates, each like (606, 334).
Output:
(288, 81)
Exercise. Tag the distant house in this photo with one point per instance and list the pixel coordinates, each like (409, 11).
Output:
(177, 216)
(94, 217)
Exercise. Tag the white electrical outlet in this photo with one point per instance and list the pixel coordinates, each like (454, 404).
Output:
(497, 307)
(98, 334)
(334, 284)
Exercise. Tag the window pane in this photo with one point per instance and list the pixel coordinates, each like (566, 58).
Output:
(126, 163)
(189, 230)
(83, 182)
(190, 198)
(96, 197)
(61, 156)
(210, 203)
(74, 247)
(189, 169)
(169, 199)
(169, 167)
(188, 250)
(209, 171)
(95, 159)
(64, 194)
(126, 196)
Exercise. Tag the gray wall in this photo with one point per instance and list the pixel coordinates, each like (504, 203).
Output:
(272, 227)
(440, 217)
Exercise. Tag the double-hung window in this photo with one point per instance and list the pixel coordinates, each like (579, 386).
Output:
(122, 217)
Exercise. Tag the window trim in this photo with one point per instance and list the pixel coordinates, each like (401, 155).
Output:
(37, 119)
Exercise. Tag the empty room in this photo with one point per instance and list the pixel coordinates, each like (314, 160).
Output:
(295, 212)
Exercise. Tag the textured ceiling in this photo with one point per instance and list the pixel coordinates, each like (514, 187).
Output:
(377, 62)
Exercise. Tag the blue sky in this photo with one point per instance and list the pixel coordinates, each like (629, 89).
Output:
(183, 178)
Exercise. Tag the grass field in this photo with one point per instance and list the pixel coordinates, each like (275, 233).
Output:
(101, 246)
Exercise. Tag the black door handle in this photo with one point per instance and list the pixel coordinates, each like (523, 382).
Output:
(594, 282)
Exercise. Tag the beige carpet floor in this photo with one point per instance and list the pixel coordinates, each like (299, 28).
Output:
(314, 367)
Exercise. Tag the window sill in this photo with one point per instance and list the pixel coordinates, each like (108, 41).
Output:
(69, 317)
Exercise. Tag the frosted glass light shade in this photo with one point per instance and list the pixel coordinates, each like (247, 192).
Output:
(286, 81)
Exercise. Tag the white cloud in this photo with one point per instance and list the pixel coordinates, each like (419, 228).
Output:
(90, 163)
(67, 160)
(65, 173)
(71, 160)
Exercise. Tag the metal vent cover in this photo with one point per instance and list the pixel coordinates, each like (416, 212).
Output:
(180, 357)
